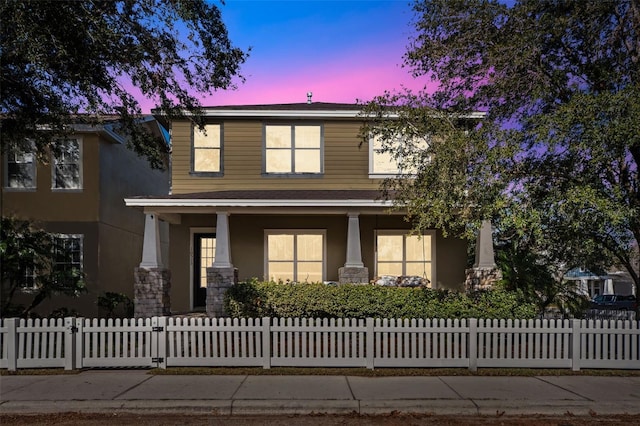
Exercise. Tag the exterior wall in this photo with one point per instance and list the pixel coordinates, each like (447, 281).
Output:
(113, 233)
(45, 205)
(123, 174)
(247, 247)
(346, 164)
(85, 304)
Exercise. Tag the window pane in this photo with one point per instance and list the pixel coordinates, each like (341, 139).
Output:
(389, 247)
(206, 160)
(69, 151)
(67, 165)
(281, 271)
(207, 256)
(310, 272)
(20, 169)
(384, 163)
(210, 140)
(280, 247)
(310, 247)
(20, 175)
(307, 161)
(278, 161)
(278, 136)
(67, 176)
(390, 269)
(419, 269)
(418, 248)
(307, 136)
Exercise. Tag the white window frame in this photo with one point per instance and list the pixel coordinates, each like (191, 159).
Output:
(373, 151)
(292, 150)
(10, 158)
(295, 232)
(405, 233)
(54, 162)
(208, 128)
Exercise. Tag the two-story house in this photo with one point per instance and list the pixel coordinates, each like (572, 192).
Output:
(280, 192)
(77, 194)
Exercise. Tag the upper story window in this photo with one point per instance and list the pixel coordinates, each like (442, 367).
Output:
(67, 165)
(20, 169)
(395, 158)
(207, 150)
(293, 149)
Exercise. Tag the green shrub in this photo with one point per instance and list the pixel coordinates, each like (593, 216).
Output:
(256, 299)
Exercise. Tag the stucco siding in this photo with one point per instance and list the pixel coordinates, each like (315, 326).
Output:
(44, 204)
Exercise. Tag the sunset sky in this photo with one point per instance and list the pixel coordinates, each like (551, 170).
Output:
(341, 51)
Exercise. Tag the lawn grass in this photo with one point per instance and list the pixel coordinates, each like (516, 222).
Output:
(387, 372)
(361, 372)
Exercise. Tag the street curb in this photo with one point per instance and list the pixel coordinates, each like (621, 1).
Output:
(338, 407)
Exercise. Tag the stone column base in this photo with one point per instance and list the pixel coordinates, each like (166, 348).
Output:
(218, 282)
(353, 275)
(481, 278)
(151, 292)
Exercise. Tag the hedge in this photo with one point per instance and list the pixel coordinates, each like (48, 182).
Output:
(255, 299)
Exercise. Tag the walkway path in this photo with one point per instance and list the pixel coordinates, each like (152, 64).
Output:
(136, 391)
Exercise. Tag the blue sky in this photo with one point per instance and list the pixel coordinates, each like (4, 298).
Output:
(340, 50)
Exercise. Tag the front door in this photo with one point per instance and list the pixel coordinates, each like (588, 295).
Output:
(204, 250)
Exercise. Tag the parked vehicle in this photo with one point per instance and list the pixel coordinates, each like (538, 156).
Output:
(615, 302)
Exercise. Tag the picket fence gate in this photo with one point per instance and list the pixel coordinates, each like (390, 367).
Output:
(74, 343)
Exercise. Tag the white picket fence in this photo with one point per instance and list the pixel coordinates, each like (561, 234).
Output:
(74, 343)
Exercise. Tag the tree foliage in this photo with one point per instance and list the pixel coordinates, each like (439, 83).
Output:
(554, 163)
(62, 58)
(27, 251)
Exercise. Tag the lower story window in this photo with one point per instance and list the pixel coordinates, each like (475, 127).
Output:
(399, 254)
(67, 256)
(28, 282)
(295, 256)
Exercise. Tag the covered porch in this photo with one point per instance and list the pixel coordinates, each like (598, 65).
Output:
(198, 245)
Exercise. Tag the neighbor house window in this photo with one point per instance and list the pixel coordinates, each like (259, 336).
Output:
(207, 149)
(400, 254)
(296, 256)
(67, 165)
(20, 169)
(397, 161)
(28, 278)
(68, 256)
(293, 149)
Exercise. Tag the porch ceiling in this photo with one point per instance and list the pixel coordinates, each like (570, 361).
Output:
(268, 202)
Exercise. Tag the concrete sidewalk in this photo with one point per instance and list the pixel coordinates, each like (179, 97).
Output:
(136, 391)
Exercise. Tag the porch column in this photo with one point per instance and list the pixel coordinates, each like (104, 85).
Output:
(152, 280)
(354, 270)
(221, 275)
(484, 273)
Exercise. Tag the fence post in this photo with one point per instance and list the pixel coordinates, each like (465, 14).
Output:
(79, 343)
(370, 339)
(70, 343)
(576, 333)
(473, 344)
(12, 344)
(159, 341)
(266, 343)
